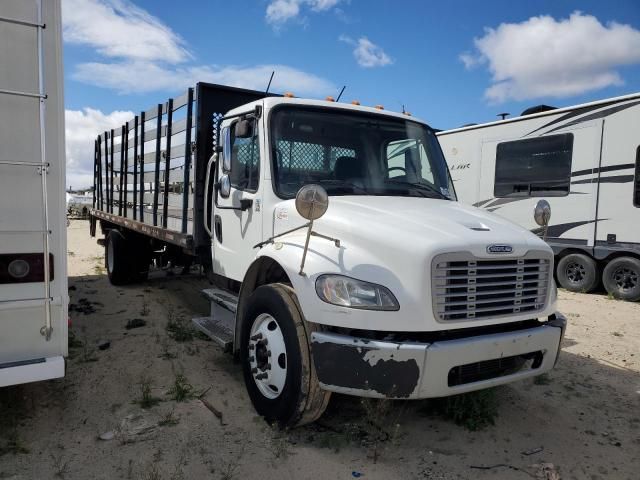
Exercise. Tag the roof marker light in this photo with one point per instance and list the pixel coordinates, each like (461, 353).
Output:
(289, 95)
(408, 114)
(355, 102)
(379, 107)
(330, 99)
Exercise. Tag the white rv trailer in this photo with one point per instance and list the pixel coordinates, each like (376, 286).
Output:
(33, 272)
(585, 160)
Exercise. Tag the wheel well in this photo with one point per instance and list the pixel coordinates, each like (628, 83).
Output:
(614, 255)
(263, 271)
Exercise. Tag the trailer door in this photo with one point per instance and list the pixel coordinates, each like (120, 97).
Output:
(557, 166)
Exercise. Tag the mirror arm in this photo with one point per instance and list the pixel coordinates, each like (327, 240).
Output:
(271, 239)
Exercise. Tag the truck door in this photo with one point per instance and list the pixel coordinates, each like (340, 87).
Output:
(236, 222)
(556, 166)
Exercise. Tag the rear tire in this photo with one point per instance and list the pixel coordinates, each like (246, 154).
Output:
(117, 258)
(621, 278)
(279, 375)
(577, 272)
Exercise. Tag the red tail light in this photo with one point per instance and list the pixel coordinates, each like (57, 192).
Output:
(23, 267)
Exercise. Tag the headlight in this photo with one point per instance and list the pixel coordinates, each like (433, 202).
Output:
(349, 292)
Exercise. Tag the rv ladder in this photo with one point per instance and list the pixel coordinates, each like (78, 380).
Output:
(41, 167)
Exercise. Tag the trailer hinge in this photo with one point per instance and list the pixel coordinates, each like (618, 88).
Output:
(193, 147)
(43, 168)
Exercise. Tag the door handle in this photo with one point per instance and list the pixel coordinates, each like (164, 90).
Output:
(217, 222)
(207, 179)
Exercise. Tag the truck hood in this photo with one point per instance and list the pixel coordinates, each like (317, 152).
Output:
(395, 241)
(410, 223)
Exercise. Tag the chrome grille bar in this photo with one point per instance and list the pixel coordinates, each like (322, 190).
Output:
(465, 287)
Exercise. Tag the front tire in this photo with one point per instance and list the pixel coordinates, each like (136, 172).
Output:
(577, 272)
(276, 360)
(621, 278)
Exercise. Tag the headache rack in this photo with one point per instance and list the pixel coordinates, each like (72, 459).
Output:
(149, 174)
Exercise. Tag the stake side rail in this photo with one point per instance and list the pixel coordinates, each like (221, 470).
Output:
(151, 171)
(176, 238)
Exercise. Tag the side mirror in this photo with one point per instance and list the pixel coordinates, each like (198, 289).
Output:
(224, 186)
(312, 202)
(243, 129)
(226, 150)
(542, 215)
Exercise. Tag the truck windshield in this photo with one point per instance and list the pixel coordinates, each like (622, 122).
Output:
(350, 153)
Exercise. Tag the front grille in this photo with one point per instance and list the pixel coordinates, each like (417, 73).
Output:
(466, 287)
(488, 369)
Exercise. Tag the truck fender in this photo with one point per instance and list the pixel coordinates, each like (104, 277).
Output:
(270, 266)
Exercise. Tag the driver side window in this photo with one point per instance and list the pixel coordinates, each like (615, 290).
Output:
(245, 161)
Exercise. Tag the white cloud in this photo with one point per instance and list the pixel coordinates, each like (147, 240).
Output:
(81, 129)
(117, 28)
(544, 57)
(118, 76)
(148, 56)
(144, 55)
(367, 53)
(280, 12)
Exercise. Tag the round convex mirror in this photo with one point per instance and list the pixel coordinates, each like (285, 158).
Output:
(224, 186)
(312, 202)
(542, 213)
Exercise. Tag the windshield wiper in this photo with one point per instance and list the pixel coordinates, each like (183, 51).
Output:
(342, 183)
(420, 186)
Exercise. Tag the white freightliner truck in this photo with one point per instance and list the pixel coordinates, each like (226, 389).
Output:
(341, 260)
(33, 261)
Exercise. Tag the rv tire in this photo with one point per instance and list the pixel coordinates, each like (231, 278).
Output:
(621, 278)
(577, 272)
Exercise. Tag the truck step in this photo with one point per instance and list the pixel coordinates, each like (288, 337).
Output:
(223, 298)
(216, 331)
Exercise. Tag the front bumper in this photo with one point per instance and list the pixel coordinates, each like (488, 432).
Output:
(413, 370)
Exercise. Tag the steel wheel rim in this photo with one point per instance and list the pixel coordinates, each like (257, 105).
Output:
(575, 272)
(110, 255)
(268, 356)
(625, 278)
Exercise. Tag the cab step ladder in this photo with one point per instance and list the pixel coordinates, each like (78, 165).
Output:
(40, 168)
(220, 324)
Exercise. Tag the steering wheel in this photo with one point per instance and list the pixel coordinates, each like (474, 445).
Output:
(391, 169)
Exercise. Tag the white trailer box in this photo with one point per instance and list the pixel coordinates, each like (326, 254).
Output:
(33, 271)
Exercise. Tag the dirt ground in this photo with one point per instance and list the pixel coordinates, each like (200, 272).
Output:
(582, 421)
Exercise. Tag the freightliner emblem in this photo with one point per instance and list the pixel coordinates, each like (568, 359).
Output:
(499, 249)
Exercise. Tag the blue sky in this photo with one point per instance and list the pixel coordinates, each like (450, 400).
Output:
(449, 63)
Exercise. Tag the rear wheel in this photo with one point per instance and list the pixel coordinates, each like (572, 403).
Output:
(577, 273)
(621, 278)
(117, 258)
(276, 359)
(127, 259)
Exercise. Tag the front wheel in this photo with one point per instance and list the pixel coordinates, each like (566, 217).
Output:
(621, 278)
(276, 359)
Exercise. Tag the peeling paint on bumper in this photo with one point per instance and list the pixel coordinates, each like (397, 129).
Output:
(412, 370)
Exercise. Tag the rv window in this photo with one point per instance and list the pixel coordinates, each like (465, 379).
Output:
(245, 162)
(636, 181)
(534, 167)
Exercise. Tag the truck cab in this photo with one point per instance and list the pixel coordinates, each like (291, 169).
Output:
(342, 262)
